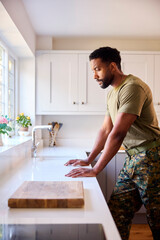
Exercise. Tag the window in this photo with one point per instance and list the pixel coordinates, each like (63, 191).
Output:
(2, 95)
(11, 83)
(7, 84)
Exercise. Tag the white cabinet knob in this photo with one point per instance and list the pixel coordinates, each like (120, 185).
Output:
(157, 103)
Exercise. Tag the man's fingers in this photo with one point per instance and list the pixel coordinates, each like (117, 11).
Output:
(81, 172)
(76, 163)
(75, 172)
(70, 162)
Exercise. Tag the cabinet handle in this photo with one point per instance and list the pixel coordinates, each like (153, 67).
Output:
(75, 103)
(50, 82)
(82, 103)
(158, 103)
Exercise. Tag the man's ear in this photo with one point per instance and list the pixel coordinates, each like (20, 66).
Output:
(113, 66)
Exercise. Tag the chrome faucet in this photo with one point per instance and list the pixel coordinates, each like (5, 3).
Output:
(34, 145)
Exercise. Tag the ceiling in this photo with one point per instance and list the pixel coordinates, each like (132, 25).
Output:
(102, 18)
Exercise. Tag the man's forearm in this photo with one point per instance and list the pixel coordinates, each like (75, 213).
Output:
(99, 145)
(111, 147)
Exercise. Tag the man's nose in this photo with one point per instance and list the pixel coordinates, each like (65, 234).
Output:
(95, 76)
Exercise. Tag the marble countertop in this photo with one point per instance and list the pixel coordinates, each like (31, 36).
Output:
(49, 166)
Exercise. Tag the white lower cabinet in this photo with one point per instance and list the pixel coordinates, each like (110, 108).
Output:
(107, 178)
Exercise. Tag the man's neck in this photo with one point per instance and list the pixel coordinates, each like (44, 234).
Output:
(118, 79)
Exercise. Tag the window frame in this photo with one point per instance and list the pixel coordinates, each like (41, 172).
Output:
(8, 54)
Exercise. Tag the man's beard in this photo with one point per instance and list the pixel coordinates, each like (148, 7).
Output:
(106, 81)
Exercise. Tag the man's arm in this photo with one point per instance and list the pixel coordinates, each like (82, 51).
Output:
(98, 146)
(101, 138)
(112, 145)
(115, 139)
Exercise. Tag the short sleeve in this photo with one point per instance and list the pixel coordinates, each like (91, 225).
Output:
(107, 110)
(131, 99)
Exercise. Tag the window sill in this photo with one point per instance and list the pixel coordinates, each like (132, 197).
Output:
(12, 142)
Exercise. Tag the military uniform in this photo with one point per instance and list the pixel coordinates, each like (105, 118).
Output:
(139, 181)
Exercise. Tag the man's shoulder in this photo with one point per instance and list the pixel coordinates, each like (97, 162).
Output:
(132, 79)
(133, 82)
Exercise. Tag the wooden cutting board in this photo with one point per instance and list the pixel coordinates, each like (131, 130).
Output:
(44, 194)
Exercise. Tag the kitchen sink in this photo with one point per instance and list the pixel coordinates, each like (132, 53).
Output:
(44, 158)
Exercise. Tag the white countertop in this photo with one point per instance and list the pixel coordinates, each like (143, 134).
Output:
(49, 166)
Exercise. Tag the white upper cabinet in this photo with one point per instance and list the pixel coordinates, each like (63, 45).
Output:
(147, 67)
(56, 83)
(140, 65)
(92, 98)
(65, 85)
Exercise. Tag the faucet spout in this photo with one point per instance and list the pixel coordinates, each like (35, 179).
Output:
(34, 145)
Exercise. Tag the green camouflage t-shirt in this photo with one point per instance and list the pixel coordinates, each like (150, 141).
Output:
(135, 97)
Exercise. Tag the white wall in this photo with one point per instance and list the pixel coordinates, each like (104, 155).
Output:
(44, 42)
(77, 130)
(91, 43)
(75, 127)
(27, 87)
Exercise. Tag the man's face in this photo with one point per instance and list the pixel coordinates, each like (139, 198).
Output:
(102, 72)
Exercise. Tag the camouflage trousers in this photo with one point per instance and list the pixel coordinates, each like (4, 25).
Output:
(138, 183)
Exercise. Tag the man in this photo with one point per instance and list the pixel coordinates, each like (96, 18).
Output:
(130, 119)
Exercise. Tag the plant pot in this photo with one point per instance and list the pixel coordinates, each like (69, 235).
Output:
(23, 129)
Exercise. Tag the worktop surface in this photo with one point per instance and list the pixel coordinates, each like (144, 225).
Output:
(49, 166)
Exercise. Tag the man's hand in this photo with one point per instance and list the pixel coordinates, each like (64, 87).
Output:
(81, 172)
(75, 162)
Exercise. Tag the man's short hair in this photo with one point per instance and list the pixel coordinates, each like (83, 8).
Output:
(107, 54)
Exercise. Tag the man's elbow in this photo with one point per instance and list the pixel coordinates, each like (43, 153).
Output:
(118, 135)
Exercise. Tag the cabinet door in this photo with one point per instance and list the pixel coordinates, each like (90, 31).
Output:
(57, 78)
(106, 178)
(92, 97)
(110, 175)
(64, 88)
(141, 66)
(120, 159)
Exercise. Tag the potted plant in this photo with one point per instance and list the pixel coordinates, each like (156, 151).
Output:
(4, 128)
(23, 122)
